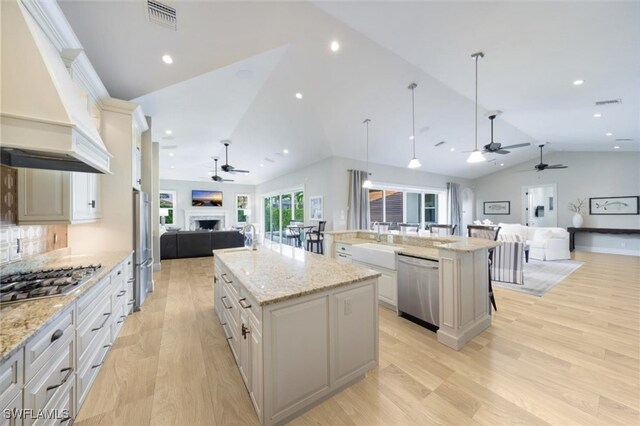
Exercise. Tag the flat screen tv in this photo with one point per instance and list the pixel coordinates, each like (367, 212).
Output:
(206, 198)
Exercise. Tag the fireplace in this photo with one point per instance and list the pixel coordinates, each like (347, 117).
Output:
(205, 218)
(211, 224)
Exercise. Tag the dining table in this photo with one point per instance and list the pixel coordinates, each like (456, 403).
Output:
(300, 231)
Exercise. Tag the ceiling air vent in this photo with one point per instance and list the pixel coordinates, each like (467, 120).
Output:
(609, 102)
(162, 14)
(168, 146)
(268, 159)
(440, 143)
(624, 140)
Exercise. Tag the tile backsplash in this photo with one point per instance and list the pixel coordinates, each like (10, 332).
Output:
(19, 242)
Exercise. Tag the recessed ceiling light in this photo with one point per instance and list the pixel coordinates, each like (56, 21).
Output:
(171, 154)
(410, 138)
(335, 46)
(168, 132)
(210, 173)
(286, 151)
(261, 165)
(616, 147)
(597, 115)
(453, 148)
(501, 164)
(578, 82)
(172, 167)
(298, 95)
(609, 134)
(167, 59)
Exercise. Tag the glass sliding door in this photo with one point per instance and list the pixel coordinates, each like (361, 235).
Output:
(275, 218)
(414, 207)
(298, 206)
(267, 218)
(279, 211)
(430, 209)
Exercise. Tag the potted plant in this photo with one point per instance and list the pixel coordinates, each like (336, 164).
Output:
(576, 208)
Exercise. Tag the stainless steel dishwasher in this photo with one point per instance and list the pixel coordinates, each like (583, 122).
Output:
(418, 291)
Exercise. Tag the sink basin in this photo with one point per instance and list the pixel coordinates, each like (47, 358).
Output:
(375, 254)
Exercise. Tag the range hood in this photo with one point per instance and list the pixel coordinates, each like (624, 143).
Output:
(44, 121)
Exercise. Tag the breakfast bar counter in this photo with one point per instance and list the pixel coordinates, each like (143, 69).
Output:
(300, 326)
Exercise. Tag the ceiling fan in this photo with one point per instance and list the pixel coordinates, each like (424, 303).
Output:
(215, 177)
(226, 166)
(542, 166)
(496, 147)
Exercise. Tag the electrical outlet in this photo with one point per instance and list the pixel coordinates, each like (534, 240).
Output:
(347, 306)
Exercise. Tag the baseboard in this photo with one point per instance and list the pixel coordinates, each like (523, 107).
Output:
(625, 252)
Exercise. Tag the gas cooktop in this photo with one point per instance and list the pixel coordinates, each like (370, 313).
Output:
(38, 284)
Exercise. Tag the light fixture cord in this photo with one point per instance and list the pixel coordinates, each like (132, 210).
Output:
(413, 121)
(476, 143)
(367, 121)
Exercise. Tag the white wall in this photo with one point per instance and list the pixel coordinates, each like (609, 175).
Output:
(590, 174)
(330, 178)
(229, 190)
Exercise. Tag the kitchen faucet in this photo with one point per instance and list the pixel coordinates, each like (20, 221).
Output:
(376, 225)
(253, 234)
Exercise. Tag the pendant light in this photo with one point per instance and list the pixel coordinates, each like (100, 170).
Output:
(414, 163)
(367, 183)
(476, 155)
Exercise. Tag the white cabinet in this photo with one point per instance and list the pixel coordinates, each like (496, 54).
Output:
(12, 406)
(136, 146)
(255, 367)
(52, 196)
(387, 284)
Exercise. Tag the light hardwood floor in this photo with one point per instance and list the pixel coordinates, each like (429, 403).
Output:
(569, 357)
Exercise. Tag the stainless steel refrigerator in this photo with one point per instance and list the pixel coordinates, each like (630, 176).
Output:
(142, 244)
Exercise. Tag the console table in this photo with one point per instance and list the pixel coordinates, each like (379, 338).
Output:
(573, 231)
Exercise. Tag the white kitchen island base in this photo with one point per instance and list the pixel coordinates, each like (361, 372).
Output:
(297, 352)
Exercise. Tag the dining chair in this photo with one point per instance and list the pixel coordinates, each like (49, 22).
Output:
(442, 230)
(316, 237)
(486, 232)
(293, 235)
(408, 228)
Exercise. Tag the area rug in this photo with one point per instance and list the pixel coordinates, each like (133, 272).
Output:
(541, 276)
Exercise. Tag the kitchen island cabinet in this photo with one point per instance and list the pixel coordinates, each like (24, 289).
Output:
(300, 326)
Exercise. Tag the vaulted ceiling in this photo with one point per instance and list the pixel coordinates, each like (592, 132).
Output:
(238, 65)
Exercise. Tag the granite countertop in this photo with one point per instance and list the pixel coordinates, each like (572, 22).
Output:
(19, 322)
(276, 272)
(421, 246)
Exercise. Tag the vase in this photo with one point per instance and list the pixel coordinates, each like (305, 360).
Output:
(577, 220)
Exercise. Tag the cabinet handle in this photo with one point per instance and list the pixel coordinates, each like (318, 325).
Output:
(69, 371)
(243, 303)
(105, 355)
(225, 331)
(106, 317)
(140, 181)
(245, 331)
(129, 263)
(56, 335)
(224, 278)
(119, 272)
(224, 304)
(130, 280)
(66, 419)
(130, 302)
(215, 280)
(122, 320)
(93, 204)
(121, 293)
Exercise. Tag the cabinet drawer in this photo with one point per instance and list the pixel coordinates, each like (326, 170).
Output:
(246, 302)
(343, 248)
(232, 337)
(11, 378)
(117, 279)
(343, 257)
(89, 370)
(41, 348)
(64, 405)
(119, 316)
(86, 303)
(99, 320)
(14, 404)
(50, 381)
(230, 305)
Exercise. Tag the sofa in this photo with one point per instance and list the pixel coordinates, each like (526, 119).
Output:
(544, 243)
(184, 244)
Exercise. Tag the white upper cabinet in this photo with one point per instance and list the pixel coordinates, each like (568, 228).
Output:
(136, 147)
(52, 196)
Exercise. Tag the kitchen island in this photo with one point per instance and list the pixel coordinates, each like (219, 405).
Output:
(301, 326)
(464, 309)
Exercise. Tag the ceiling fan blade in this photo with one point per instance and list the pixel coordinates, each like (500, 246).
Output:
(557, 166)
(228, 180)
(502, 151)
(524, 171)
(519, 145)
(234, 171)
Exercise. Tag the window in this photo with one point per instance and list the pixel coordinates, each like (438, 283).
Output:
(397, 205)
(167, 206)
(279, 210)
(242, 208)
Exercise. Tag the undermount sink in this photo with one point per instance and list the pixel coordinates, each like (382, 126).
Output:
(375, 254)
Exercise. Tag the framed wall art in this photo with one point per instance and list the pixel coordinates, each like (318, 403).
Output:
(496, 208)
(614, 205)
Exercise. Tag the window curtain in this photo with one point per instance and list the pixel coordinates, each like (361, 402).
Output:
(454, 197)
(358, 208)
